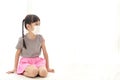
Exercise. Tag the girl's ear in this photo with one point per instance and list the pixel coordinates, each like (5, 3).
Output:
(28, 26)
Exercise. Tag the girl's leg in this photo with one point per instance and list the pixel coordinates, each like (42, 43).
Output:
(31, 71)
(42, 71)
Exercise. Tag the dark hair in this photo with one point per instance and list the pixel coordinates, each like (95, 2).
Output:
(31, 18)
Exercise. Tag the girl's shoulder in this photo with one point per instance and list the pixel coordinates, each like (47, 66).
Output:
(40, 37)
(20, 38)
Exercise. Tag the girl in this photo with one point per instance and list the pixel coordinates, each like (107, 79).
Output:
(29, 48)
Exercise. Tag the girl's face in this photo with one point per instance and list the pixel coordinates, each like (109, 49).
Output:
(31, 27)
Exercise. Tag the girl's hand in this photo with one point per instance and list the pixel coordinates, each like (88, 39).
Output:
(50, 70)
(13, 71)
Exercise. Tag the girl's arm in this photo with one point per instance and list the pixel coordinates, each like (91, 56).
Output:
(16, 61)
(46, 56)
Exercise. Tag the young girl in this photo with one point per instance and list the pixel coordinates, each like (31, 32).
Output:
(29, 48)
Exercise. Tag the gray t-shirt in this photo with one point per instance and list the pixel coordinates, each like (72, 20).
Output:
(33, 46)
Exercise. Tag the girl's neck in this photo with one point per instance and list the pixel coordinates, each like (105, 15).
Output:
(30, 35)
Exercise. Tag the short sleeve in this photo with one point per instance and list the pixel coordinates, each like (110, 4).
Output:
(19, 44)
(41, 38)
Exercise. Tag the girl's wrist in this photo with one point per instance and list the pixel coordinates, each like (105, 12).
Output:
(47, 68)
(15, 69)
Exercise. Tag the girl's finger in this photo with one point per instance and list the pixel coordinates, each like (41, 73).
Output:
(10, 72)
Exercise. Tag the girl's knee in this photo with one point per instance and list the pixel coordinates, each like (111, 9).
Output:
(32, 72)
(43, 72)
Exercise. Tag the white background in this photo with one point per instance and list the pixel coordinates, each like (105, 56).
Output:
(76, 31)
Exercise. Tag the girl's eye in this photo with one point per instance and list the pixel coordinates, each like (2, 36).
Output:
(37, 24)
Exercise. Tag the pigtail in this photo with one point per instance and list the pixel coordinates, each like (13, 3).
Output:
(24, 45)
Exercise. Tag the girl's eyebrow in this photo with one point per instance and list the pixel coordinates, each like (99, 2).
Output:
(37, 23)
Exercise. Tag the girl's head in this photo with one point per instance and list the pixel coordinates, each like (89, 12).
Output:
(31, 20)
(31, 23)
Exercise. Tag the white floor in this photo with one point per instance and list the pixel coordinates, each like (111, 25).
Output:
(75, 72)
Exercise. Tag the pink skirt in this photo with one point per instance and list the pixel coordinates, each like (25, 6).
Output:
(24, 62)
